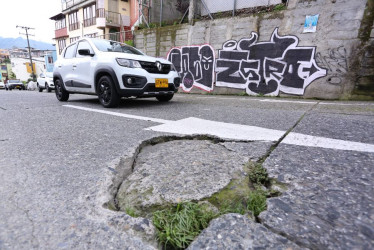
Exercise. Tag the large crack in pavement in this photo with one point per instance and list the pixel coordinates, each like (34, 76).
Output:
(142, 183)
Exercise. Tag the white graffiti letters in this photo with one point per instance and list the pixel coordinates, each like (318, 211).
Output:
(195, 64)
(267, 67)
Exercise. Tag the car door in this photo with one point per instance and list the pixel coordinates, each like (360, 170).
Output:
(65, 66)
(83, 71)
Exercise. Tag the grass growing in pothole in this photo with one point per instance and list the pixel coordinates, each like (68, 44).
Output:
(178, 226)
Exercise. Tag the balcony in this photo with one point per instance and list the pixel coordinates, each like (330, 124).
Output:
(89, 22)
(71, 5)
(111, 19)
(74, 26)
(61, 33)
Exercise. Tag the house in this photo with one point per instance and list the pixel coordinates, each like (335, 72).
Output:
(108, 19)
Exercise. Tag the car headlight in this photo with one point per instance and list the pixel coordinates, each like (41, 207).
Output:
(128, 63)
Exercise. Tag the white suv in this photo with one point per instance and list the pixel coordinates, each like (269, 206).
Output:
(112, 70)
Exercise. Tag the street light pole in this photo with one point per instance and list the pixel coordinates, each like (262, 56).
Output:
(28, 46)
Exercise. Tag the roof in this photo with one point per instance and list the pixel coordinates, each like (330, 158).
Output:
(59, 16)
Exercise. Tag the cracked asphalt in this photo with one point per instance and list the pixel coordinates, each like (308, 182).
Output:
(57, 163)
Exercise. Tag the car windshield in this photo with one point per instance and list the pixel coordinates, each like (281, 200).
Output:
(112, 46)
(14, 81)
(49, 74)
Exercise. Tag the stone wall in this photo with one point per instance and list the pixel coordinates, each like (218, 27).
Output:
(339, 49)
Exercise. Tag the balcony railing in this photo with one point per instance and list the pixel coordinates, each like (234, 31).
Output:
(70, 3)
(73, 26)
(61, 33)
(89, 22)
(113, 18)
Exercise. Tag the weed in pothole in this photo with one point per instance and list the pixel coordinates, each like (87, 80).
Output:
(257, 201)
(179, 225)
(258, 175)
(131, 212)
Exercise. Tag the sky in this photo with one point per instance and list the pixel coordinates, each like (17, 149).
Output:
(33, 14)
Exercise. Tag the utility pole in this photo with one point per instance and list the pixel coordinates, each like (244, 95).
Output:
(28, 44)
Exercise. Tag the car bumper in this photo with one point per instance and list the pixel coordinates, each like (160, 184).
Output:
(143, 84)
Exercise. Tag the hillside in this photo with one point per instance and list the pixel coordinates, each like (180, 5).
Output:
(8, 43)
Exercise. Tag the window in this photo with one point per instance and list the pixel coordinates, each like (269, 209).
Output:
(73, 39)
(50, 59)
(111, 46)
(61, 45)
(70, 51)
(89, 16)
(60, 24)
(84, 45)
(73, 21)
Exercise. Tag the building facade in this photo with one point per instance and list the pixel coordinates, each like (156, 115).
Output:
(108, 19)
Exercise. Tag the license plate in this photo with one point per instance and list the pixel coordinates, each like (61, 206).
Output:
(162, 83)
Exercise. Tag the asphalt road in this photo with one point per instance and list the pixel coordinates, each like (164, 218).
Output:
(55, 161)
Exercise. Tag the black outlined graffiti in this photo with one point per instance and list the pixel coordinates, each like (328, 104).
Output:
(195, 64)
(267, 67)
(336, 62)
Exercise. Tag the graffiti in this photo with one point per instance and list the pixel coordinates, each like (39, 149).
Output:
(336, 62)
(195, 64)
(267, 67)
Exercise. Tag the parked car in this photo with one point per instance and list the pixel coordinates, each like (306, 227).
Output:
(45, 81)
(112, 70)
(14, 84)
(2, 85)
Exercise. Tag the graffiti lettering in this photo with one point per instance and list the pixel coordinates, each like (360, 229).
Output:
(195, 64)
(267, 67)
(336, 62)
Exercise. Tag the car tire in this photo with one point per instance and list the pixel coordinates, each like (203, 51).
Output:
(39, 88)
(164, 98)
(61, 94)
(47, 88)
(107, 92)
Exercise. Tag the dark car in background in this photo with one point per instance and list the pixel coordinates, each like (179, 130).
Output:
(14, 84)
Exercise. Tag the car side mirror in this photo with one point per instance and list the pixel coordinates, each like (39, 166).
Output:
(85, 52)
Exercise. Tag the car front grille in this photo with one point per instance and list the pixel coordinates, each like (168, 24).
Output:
(151, 67)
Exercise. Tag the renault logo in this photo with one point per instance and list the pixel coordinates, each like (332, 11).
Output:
(159, 66)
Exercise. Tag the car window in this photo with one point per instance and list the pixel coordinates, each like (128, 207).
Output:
(70, 51)
(41, 75)
(84, 45)
(49, 74)
(14, 81)
(112, 46)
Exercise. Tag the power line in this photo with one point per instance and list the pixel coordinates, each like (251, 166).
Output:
(28, 44)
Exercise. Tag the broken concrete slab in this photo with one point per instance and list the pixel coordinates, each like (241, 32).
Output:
(234, 231)
(176, 171)
(329, 203)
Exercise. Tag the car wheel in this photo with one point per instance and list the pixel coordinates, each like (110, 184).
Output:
(164, 98)
(47, 88)
(39, 88)
(108, 95)
(61, 94)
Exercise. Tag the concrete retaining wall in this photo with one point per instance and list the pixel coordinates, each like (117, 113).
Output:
(339, 50)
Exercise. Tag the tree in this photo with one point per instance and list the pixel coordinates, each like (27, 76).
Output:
(12, 75)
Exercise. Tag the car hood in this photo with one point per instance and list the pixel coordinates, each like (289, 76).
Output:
(144, 58)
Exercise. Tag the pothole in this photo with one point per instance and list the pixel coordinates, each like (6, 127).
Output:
(176, 174)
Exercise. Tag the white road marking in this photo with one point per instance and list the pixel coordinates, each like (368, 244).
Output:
(192, 126)
(322, 142)
(286, 101)
(231, 131)
(346, 104)
(143, 118)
